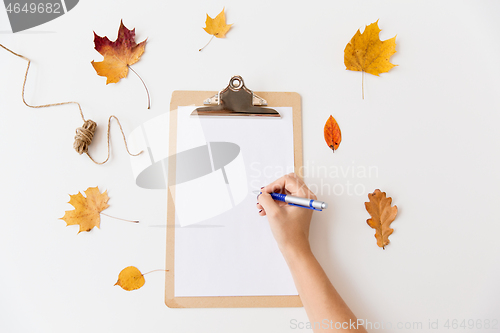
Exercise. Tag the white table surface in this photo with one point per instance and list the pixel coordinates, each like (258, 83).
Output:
(426, 133)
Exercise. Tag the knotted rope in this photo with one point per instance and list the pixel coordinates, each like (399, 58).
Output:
(84, 134)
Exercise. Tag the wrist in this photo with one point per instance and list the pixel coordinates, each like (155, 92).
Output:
(296, 252)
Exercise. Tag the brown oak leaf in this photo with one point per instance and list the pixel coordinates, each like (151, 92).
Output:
(379, 207)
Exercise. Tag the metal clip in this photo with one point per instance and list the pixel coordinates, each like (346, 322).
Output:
(235, 100)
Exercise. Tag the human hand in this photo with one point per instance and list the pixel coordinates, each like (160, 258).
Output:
(289, 224)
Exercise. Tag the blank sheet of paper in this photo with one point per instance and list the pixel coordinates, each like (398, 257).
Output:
(232, 253)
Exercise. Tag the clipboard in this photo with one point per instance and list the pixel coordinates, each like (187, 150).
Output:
(185, 98)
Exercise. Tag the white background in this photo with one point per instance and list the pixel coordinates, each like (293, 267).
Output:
(429, 128)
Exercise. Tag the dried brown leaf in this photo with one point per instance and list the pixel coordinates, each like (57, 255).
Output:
(379, 207)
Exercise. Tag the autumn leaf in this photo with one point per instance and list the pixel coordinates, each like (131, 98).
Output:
(379, 207)
(367, 53)
(216, 26)
(87, 209)
(130, 278)
(333, 136)
(118, 55)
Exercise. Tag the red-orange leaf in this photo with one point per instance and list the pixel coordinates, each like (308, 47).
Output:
(333, 137)
(118, 55)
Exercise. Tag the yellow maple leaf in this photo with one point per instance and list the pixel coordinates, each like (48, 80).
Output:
(118, 55)
(367, 53)
(217, 26)
(379, 207)
(130, 278)
(87, 209)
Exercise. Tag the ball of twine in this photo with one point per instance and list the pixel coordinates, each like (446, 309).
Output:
(84, 136)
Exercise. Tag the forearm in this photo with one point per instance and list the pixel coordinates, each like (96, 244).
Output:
(321, 301)
(290, 226)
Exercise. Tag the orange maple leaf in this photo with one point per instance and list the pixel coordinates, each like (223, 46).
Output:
(333, 136)
(367, 53)
(87, 210)
(379, 207)
(118, 55)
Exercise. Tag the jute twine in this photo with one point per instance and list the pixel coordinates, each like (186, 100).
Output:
(84, 134)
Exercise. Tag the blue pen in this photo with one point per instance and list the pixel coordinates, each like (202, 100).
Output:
(297, 201)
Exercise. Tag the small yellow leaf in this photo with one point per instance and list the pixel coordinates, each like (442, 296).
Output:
(217, 26)
(130, 278)
(333, 136)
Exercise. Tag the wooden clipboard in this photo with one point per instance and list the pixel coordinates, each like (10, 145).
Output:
(184, 98)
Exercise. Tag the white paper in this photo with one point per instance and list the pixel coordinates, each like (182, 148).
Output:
(197, 205)
(234, 253)
(201, 179)
(237, 184)
(191, 134)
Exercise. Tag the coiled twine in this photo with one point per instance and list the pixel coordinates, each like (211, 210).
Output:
(84, 136)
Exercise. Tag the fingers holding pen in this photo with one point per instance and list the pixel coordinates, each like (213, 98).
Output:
(292, 184)
(288, 182)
